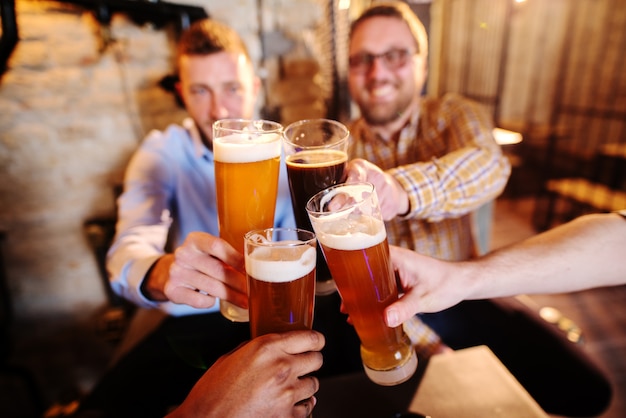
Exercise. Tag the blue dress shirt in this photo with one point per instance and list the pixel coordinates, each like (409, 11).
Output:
(169, 191)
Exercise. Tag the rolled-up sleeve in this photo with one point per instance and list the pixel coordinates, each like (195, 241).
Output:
(143, 223)
(453, 185)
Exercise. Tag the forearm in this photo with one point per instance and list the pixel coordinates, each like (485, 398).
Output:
(585, 253)
(133, 254)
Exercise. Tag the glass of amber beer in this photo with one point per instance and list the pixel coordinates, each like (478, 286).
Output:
(348, 225)
(280, 266)
(247, 162)
(316, 154)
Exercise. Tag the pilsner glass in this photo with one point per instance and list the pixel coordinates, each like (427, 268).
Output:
(348, 225)
(316, 154)
(280, 266)
(247, 162)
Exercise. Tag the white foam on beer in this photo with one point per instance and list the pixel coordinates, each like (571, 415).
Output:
(278, 265)
(355, 233)
(316, 158)
(246, 148)
(347, 195)
(347, 227)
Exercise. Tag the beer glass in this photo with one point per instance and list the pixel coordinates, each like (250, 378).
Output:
(316, 154)
(247, 162)
(280, 266)
(348, 225)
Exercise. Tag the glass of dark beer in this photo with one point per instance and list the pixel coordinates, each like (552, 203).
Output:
(349, 227)
(280, 266)
(316, 154)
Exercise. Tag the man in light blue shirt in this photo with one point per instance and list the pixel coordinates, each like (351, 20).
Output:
(167, 255)
(167, 212)
(169, 200)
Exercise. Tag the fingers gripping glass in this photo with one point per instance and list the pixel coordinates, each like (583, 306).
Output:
(393, 59)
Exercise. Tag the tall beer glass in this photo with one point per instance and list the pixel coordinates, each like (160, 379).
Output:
(349, 227)
(316, 153)
(280, 266)
(247, 162)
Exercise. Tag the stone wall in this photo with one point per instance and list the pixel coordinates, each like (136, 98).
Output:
(71, 114)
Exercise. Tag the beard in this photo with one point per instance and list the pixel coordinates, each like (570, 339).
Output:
(381, 114)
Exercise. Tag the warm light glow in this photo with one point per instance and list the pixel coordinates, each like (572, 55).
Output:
(506, 137)
(344, 4)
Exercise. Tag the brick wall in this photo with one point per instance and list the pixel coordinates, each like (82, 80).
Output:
(71, 113)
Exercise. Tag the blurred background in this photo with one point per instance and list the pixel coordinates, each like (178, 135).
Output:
(82, 82)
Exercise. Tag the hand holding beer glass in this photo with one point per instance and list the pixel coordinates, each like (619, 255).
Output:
(247, 163)
(280, 266)
(316, 154)
(348, 224)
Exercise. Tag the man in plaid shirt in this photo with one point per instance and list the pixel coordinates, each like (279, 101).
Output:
(433, 161)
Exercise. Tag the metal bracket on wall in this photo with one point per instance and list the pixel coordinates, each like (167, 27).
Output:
(156, 12)
(8, 32)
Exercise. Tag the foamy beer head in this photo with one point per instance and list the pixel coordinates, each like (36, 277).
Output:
(347, 213)
(247, 165)
(246, 141)
(280, 266)
(354, 233)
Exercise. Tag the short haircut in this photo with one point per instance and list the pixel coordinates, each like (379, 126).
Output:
(401, 11)
(207, 36)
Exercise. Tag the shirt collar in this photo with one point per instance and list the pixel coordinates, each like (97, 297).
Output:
(200, 150)
(411, 125)
(408, 129)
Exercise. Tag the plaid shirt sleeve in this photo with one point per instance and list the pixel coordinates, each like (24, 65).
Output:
(469, 171)
(425, 341)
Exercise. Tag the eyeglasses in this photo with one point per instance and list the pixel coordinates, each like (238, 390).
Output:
(393, 59)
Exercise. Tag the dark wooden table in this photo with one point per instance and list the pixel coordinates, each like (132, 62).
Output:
(465, 384)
